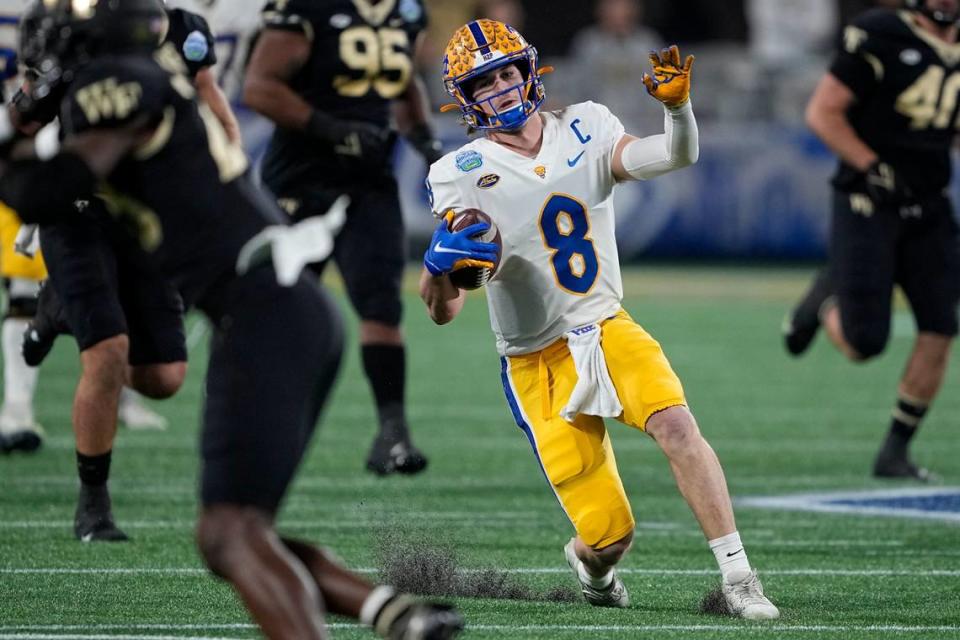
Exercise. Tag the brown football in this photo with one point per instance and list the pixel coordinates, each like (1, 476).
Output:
(470, 278)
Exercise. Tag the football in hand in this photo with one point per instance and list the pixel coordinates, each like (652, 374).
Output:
(470, 278)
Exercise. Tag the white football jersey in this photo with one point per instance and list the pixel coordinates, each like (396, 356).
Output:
(234, 23)
(559, 267)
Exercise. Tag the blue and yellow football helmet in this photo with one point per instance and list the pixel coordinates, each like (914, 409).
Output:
(479, 47)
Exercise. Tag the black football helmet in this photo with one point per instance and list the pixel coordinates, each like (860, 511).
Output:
(941, 17)
(68, 33)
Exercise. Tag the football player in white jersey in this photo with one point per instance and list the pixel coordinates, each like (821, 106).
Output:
(21, 277)
(570, 354)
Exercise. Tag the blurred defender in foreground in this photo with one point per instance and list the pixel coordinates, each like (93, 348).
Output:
(888, 108)
(130, 121)
(570, 353)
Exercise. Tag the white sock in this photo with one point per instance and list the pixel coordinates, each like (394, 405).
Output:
(731, 556)
(19, 380)
(601, 582)
(374, 603)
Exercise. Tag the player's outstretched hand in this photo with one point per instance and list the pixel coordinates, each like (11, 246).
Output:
(452, 250)
(670, 82)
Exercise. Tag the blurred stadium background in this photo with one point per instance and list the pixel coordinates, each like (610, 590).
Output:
(755, 208)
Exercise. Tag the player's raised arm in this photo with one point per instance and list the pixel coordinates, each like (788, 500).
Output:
(678, 146)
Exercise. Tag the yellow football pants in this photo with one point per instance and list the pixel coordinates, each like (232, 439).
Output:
(577, 458)
(12, 264)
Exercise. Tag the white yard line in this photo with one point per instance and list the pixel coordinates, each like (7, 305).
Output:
(517, 570)
(43, 632)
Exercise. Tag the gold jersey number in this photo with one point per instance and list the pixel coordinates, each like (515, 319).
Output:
(931, 100)
(374, 52)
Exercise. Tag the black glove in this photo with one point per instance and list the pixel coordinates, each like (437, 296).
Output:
(423, 140)
(886, 188)
(355, 143)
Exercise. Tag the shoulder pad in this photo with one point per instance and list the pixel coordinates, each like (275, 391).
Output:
(293, 15)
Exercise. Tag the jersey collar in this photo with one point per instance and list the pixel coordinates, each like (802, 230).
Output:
(949, 53)
(374, 14)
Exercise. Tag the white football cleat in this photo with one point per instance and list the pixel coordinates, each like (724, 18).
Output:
(137, 416)
(615, 595)
(745, 598)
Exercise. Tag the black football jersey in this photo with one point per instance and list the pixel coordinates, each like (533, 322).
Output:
(190, 34)
(906, 84)
(360, 59)
(183, 192)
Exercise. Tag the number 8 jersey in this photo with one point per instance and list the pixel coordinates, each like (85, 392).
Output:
(906, 84)
(559, 267)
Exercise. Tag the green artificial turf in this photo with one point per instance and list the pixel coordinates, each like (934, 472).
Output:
(780, 426)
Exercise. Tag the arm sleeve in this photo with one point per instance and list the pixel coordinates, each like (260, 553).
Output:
(677, 147)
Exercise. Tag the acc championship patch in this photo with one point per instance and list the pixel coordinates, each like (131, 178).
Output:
(931, 503)
(195, 47)
(488, 180)
(410, 10)
(469, 160)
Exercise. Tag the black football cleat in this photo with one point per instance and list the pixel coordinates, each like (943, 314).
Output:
(48, 323)
(388, 455)
(27, 441)
(899, 467)
(409, 620)
(93, 521)
(801, 324)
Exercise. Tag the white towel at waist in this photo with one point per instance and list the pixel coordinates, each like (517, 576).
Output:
(594, 393)
(27, 242)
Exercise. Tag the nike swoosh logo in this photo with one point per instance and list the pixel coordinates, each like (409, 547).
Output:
(572, 162)
(735, 552)
(438, 248)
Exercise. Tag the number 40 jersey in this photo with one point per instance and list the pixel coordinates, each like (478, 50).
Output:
(906, 84)
(559, 268)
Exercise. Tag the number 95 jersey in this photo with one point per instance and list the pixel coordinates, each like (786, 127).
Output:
(906, 83)
(361, 52)
(559, 268)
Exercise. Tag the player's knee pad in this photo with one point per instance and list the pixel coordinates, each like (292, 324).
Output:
(606, 527)
(868, 339)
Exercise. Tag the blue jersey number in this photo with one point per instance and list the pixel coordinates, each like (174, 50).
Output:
(565, 227)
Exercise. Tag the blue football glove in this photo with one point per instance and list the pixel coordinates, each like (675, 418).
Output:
(452, 250)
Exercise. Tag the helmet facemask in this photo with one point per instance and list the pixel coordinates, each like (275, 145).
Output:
(484, 115)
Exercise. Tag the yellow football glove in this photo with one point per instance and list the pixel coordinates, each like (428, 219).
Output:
(670, 83)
